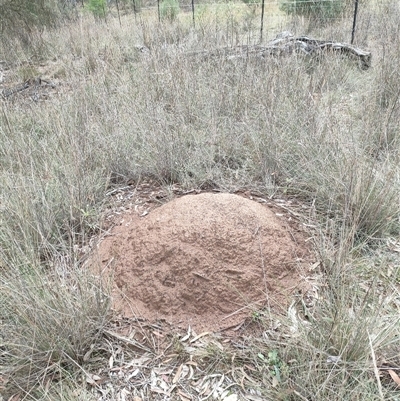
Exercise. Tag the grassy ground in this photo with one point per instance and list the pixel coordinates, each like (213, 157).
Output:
(319, 130)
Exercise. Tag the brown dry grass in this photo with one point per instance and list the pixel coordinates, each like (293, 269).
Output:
(320, 130)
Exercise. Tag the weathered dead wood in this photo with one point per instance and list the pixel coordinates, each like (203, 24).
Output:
(287, 44)
(33, 83)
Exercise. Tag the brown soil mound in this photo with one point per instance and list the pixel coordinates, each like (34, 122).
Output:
(204, 260)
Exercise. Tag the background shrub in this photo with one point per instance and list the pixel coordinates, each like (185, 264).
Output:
(98, 8)
(169, 10)
(321, 10)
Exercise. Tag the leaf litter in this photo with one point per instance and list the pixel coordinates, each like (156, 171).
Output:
(152, 361)
(177, 368)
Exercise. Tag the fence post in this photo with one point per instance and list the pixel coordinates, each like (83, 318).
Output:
(134, 8)
(119, 15)
(354, 21)
(194, 22)
(262, 20)
(104, 11)
(158, 10)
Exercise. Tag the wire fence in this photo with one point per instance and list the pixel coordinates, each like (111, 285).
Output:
(318, 12)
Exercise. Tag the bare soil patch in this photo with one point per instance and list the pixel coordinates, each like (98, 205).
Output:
(205, 260)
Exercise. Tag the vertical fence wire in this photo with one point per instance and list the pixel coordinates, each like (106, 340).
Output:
(134, 8)
(194, 22)
(262, 17)
(104, 12)
(353, 31)
(262, 20)
(119, 15)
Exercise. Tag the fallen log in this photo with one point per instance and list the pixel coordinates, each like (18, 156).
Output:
(285, 44)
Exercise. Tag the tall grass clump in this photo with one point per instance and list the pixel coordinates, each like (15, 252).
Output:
(22, 23)
(189, 109)
(53, 310)
(49, 323)
(337, 352)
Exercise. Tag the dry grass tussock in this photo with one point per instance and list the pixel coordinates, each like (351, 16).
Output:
(318, 129)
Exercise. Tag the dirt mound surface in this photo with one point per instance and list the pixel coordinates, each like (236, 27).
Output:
(204, 260)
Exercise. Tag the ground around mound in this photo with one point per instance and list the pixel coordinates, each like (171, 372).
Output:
(207, 260)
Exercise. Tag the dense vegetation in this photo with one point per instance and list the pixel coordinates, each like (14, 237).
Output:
(319, 130)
